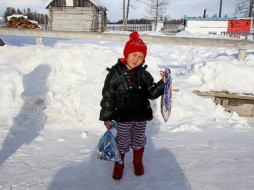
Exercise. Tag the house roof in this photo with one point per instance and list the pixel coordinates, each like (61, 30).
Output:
(97, 3)
(47, 4)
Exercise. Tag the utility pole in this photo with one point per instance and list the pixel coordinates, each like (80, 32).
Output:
(204, 15)
(220, 8)
(251, 8)
(156, 16)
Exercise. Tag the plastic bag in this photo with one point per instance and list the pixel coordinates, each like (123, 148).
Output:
(107, 148)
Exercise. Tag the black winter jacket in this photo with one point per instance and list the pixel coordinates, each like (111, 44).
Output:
(123, 101)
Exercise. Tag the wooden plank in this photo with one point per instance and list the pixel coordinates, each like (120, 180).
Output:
(72, 29)
(71, 9)
(241, 54)
(69, 18)
(224, 102)
(245, 110)
(61, 22)
(74, 13)
(242, 105)
(218, 100)
(225, 95)
(72, 19)
(87, 23)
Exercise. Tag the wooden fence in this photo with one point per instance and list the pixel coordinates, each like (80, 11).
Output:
(241, 45)
(130, 27)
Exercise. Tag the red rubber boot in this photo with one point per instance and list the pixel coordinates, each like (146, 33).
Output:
(137, 161)
(118, 169)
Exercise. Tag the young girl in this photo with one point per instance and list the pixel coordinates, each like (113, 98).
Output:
(126, 93)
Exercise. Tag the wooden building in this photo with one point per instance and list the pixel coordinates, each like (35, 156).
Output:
(77, 15)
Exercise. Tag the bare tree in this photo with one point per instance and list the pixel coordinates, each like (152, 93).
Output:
(125, 13)
(126, 10)
(156, 9)
(244, 8)
(124, 22)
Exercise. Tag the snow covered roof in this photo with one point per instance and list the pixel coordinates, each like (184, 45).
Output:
(47, 4)
(16, 15)
(95, 2)
(209, 18)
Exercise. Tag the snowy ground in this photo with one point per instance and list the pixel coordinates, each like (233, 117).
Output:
(50, 107)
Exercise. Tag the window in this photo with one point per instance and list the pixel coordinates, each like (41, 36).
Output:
(81, 3)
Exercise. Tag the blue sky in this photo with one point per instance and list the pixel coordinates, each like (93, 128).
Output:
(176, 8)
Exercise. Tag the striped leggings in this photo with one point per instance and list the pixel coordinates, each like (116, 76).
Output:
(130, 134)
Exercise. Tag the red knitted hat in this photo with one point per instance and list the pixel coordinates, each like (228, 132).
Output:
(135, 44)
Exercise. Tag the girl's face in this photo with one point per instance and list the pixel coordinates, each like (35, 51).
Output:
(134, 59)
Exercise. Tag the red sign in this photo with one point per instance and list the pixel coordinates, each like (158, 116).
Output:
(242, 26)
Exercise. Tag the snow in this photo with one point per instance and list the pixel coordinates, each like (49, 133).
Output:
(50, 129)
(97, 3)
(47, 4)
(20, 16)
(16, 16)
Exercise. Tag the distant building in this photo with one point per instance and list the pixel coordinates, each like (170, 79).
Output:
(206, 25)
(77, 15)
(157, 26)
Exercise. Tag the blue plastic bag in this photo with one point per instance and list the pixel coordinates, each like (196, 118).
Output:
(107, 148)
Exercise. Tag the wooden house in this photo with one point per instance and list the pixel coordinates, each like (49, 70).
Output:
(77, 15)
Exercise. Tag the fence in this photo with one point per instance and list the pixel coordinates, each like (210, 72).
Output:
(172, 28)
(245, 35)
(130, 27)
(241, 45)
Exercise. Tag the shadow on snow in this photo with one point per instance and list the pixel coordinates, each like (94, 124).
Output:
(28, 124)
(162, 171)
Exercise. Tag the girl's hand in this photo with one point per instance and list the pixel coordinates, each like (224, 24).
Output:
(107, 124)
(163, 75)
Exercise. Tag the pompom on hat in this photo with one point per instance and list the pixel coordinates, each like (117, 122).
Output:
(135, 44)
